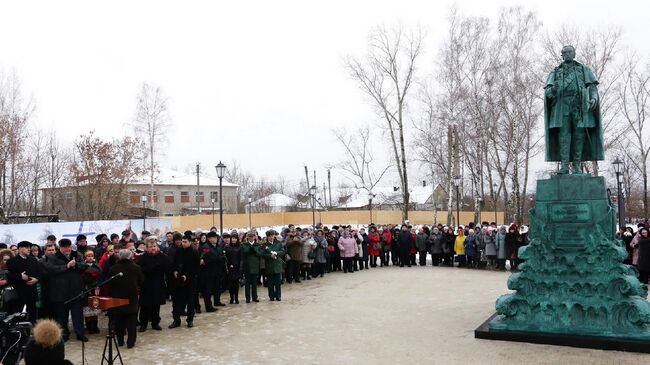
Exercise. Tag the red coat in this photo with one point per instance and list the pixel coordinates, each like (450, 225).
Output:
(414, 249)
(374, 240)
(388, 238)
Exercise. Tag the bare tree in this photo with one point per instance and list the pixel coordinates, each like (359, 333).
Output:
(99, 174)
(151, 124)
(358, 166)
(386, 76)
(55, 169)
(633, 94)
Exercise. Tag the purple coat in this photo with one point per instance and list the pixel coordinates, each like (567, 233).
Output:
(348, 246)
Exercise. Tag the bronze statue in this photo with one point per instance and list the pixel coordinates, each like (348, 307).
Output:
(572, 118)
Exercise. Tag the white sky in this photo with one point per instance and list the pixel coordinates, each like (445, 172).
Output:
(259, 81)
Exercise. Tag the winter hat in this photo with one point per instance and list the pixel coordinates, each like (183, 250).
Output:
(24, 244)
(212, 234)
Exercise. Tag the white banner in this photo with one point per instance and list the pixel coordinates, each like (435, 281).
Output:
(38, 232)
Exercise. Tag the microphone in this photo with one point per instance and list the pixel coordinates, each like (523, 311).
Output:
(120, 274)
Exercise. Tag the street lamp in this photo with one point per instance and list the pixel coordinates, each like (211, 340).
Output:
(221, 171)
(618, 169)
(312, 195)
(370, 197)
(143, 199)
(250, 217)
(457, 181)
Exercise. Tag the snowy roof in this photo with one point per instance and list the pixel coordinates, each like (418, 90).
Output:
(173, 177)
(276, 200)
(386, 195)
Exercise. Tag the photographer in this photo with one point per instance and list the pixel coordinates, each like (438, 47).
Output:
(46, 346)
(65, 269)
(23, 275)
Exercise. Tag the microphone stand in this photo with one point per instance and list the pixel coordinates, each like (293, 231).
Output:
(110, 338)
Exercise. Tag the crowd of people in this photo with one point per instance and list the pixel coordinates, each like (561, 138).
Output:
(195, 268)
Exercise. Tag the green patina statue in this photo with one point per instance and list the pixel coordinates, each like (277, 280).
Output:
(573, 280)
(572, 119)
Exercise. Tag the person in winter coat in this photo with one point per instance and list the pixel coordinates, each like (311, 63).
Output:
(308, 246)
(512, 245)
(643, 263)
(64, 269)
(490, 247)
(421, 243)
(321, 252)
(500, 241)
(459, 247)
(273, 251)
(90, 276)
(46, 346)
(627, 237)
(126, 286)
(404, 243)
(23, 273)
(251, 253)
(470, 249)
(233, 260)
(153, 293)
(448, 247)
(435, 244)
(348, 247)
(374, 245)
(362, 246)
(386, 244)
(294, 250)
(184, 279)
(334, 252)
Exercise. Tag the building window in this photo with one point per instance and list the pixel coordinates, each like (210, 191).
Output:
(214, 195)
(200, 197)
(185, 196)
(134, 197)
(169, 197)
(155, 197)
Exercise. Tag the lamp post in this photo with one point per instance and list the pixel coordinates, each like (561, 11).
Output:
(143, 199)
(250, 217)
(221, 171)
(618, 168)
(457, 180)
(312, 195)
(494, 187)
(212, 199)
(370, 196)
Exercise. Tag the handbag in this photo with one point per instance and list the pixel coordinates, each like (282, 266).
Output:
(9, 294)
(311, 255)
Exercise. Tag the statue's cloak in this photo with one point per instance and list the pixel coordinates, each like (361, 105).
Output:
(591, 121)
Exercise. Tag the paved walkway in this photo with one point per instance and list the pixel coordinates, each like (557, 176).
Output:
(421, 315)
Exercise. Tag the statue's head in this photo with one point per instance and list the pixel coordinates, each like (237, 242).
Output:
(568, 53)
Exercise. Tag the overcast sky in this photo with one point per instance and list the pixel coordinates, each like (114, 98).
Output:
(259, 81)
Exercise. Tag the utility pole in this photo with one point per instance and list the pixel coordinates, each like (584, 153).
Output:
(198, 188)
(329, 184)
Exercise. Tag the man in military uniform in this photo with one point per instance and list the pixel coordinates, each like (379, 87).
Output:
(251, 251)
(571, 114)
(273, 253)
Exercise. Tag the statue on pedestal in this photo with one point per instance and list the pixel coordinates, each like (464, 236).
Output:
(572, 118)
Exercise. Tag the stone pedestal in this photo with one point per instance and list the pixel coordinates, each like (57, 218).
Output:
(573, 283)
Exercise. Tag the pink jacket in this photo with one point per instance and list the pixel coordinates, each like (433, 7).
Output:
(348, 246)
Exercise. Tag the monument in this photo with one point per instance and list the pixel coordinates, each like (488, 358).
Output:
(573, 288)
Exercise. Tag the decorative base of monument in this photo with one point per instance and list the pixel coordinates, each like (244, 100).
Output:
(573, 288)
(487, 331)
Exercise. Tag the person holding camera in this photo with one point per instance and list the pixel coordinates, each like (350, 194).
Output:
(23, 274)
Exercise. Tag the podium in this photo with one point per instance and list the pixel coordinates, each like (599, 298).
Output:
(105, 303)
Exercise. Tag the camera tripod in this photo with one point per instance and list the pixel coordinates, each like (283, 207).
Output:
(108, 345)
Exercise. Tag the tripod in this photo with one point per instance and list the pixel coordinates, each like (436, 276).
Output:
(110, 338)
(108, 345)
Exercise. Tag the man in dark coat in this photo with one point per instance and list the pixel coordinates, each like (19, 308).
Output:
(64, 269)
(185, 269)
(154, 265)
(24, 274)
(211, 274)
(404, 242)
(125, 286)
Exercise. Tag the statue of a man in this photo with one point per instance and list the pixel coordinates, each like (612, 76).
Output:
(572, 114)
